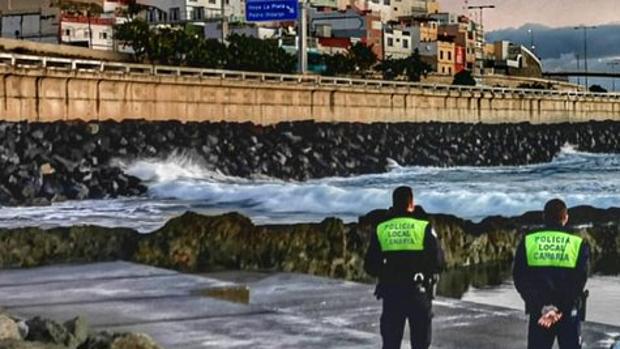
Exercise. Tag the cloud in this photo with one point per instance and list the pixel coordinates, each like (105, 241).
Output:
(558, 48)
(556, 42)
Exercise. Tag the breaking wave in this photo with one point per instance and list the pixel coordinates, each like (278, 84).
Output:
(182, 182)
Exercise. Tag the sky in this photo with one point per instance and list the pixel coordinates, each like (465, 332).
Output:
(552, 13)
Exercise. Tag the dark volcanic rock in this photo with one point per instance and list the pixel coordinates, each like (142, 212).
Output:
(198, 243)
(74, 334)
(48, 162)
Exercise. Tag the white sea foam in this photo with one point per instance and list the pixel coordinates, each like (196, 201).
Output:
(183, 182)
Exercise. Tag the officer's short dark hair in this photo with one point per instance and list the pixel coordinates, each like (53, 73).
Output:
(555, 211)
(402, 197)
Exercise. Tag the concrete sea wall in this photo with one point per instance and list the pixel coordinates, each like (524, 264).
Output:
(34, 93)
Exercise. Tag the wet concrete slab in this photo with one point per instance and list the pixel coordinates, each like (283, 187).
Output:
(285, 310)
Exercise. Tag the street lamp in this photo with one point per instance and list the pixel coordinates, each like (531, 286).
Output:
(585, 48)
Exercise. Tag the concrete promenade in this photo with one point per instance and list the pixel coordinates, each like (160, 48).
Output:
(44, 89)
(285, 310)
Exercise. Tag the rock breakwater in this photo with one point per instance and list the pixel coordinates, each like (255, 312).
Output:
(46, 162)
(198, 243)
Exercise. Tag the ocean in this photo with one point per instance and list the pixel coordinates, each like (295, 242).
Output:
(180, 183)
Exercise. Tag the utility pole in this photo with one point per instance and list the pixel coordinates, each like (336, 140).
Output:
(90, 30)
(532, 46)
(303, 37)
(578, 69)
(585, 49)
(481, 8)
(224, 22)
(613, 66)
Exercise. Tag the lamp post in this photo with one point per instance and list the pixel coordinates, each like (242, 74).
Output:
(585, 48)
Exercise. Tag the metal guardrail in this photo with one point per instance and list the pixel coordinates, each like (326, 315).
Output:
(67, 64)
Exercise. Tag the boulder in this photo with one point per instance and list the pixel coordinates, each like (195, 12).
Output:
(108, 340)
(8, 328)
(134, 341)
(78, 328)
(48, 331)
(20, 344)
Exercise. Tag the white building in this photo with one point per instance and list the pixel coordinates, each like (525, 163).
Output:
(392, 10)
(94, 32)
(199, 11)
(29, 20)
(213, 30)
(398, 42)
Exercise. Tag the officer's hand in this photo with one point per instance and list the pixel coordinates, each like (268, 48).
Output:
(550, 318)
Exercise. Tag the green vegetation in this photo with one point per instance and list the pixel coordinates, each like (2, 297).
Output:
(464, 78)
(598, 89)
(186, 46)
(358, 60)
(412, 68)
(537, 86)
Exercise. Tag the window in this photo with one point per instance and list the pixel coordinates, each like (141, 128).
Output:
(212, 2)
(175, 14)
(405, 43)
(443, 70)
(67, 32)
(86, 33)
(152, 17)
(103, 36)
(440, 54)
(198, 13)
(163, 16)
(449, 55)
(449, 70)
(387, 2)
(390, 42)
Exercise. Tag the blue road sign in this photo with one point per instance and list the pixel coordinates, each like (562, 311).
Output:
(270, 10)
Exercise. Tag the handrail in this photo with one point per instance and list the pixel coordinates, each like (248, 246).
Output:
(61, 63)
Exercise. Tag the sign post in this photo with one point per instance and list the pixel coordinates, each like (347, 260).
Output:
(282, 10)
(303, 37)
(271, 10)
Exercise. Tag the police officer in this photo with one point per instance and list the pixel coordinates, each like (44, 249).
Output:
(550, 272)
(405, 256)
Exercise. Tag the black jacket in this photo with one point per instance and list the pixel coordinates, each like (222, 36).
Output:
(399, 268)
(540, 286)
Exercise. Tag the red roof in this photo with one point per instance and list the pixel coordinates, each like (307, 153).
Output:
(86, 20)
(335, 42)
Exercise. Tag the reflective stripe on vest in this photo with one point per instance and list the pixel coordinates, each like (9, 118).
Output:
(552, 249)
(402, 234)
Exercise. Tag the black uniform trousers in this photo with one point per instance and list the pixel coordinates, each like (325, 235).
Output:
(567, 330)
(406, 305)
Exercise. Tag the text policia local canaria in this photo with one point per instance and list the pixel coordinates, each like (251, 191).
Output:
(400, 233)
(552, 248)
